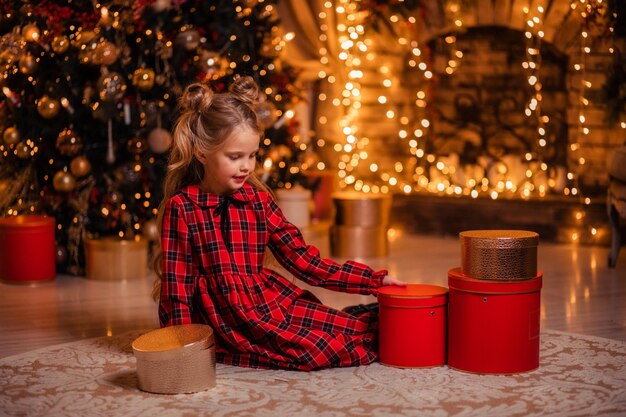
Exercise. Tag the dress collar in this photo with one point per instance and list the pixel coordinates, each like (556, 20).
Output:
(207, 199)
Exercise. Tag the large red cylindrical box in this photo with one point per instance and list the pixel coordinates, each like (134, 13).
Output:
(27, 251)
(493, 326)
(412, 326)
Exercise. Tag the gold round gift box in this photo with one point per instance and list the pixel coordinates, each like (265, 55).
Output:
(176, 359)
(362, 210)
(110, 258)
(358, 242)
(499, 254)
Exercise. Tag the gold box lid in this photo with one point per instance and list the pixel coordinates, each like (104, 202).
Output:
(358, 196)
(173, 341)
(499, 239)
(293, 194)
(114, 242)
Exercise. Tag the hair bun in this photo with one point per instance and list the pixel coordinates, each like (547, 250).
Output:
(196, 97)
(245, 90)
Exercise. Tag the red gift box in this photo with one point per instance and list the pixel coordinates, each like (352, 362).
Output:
(27, 250)
(493, 326)
(412, 325)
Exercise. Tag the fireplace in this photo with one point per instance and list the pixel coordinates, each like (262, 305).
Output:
(478, 122)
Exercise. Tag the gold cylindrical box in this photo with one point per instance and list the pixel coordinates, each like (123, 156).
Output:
(113, 259)
(295, 204)
(499, 254)
(363, 210)
(176, 359)
(360, 225)
(358, 242)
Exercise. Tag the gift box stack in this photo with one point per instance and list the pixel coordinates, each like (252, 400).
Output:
(486, 322)
(494, 303)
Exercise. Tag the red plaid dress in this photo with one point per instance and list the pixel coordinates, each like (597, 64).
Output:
(213, 248)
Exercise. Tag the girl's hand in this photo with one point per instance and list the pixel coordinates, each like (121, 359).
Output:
(392, 281)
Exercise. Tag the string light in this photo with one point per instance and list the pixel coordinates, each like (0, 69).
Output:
(453, 13)
(534, 36)
(537, 177)
(425, 171)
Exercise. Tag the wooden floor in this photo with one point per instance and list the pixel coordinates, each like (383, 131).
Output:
(580, 294)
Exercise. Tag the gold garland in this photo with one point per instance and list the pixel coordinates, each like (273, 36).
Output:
(15, 193)
(76, 230)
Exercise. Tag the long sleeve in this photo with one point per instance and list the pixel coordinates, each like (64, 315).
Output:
(304, 261)
(177, 287)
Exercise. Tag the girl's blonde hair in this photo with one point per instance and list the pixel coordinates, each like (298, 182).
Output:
(205, 121)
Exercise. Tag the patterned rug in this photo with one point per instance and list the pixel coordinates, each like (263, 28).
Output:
(578, 376)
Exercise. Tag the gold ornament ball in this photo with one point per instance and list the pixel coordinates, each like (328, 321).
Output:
(64, 182)
(28, 64)
(31, 33)
(143, 78)
(112, 86)
(150, 230)
(48, 107)
(159, 140)
(60, 44)
(11, 135)
(22, 150)
(250, 3)
(80, 166)
(69, 143)
(106, 53)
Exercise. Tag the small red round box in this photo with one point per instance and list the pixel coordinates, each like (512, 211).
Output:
(412, 325)
(493, 326)
(27, 249)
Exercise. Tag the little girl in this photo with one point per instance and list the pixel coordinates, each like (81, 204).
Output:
(216, 221)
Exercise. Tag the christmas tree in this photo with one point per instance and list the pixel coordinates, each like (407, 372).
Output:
(89, 98)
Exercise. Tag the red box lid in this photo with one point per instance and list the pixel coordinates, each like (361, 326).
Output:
(413, 295)
(458, 281)
(26, 221)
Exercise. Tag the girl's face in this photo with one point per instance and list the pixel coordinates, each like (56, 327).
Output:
(227, 169)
